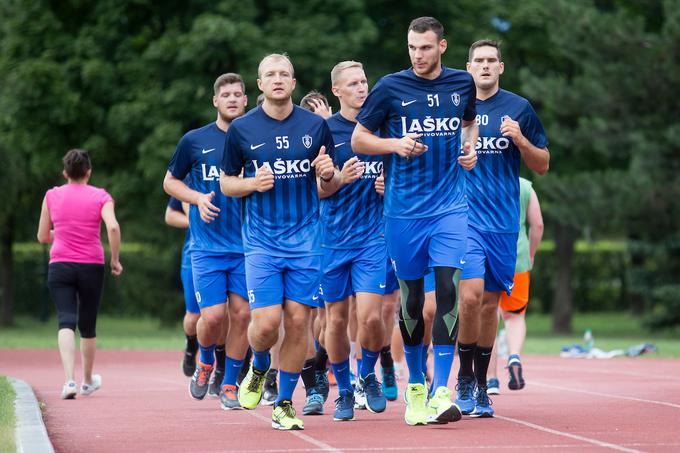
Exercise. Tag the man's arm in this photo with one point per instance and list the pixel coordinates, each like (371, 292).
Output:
(237, 186)
(469, 135)
(177, 219)
(352, 170)
(176, 188)
(537, 159)
(535, 221)
(365, 142)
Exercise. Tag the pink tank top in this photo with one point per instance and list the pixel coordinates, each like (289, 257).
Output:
(76, 213)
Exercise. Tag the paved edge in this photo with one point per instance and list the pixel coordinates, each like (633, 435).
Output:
(31, 434)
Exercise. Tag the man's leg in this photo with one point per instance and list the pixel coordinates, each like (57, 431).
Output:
(236, 347)
(471, 295)
(429, 311)
(191, 316)
(208, 329)
(220, 356)
(389, 308)
(337, 344)
(313, 398)
(371, 336)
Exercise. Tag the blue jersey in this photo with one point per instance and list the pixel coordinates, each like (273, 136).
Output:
(176, 205)
(198, 156)
(403, 103)
(353, 216)
(284, 221)
(493, 185)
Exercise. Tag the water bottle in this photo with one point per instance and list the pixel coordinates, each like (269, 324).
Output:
(588, 340)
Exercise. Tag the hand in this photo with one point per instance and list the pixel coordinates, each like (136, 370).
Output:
(264, 179)
(380, 184)
(116, 267)
(319, 107)
(410, 146)
(208, 211)
(352, 170)
(324, 165)
(469, 158)
(510, 128)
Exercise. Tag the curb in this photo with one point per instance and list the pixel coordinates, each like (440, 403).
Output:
(31, 435)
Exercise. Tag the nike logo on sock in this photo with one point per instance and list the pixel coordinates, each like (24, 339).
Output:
(465, 350)
(307, 367)
(444, 353)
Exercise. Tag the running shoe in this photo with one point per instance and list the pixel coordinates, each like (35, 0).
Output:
(198, 386)
(493, 387)
(69, 391)
(250, 390)
(441, 408)
(86, 389)
(389, 384)
(271, 389)
(344, 406)
(313, 403)
(216, 383)
(229, 397)
(321, 383)
(359, 397)
(375, 400)
(416, 408)
(189, 363)
(283, 417)
(516, 381)
(483, 404)
(465, 399)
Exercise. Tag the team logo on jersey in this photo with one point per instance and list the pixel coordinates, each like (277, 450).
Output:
(430, 126)
(492, 145)
(372, 169)
(455, 97)
(307, 141)
(210, 173)
(286, 168)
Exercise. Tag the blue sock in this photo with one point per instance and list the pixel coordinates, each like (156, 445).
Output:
(261, 360)
(316, 345)
(287, 383)
(443, 361)
(414, 361)
(368, 361)
(358, 366)
(207, 354)
(514, 358)
(341, 372)
(426, 348)
(231, 369)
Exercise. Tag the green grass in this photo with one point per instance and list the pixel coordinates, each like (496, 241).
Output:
(610, 330)
(7, 418)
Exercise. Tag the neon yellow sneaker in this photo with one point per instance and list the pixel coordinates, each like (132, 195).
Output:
(416, 408)
(283, 417)
(440, 407)
(250, 391)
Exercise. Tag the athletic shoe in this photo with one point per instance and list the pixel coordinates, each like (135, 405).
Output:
(283, 416)
(250, 390)
(313, 403)
(416, 409)
(189, 363)
(198, 386)
(441, 408)
(86, 389)
(359, 397)
(375, 400)
(321, 383)
(229, 397)
(69, 391)
(216, 383)
(516, 381)
(465, 399)
(271, 389)
(493, 387)
(344, 406)
(483, 404)
(389, 384)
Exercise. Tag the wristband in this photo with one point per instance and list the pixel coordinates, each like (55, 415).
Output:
(326, 180)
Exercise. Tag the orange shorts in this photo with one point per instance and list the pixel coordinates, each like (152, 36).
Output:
(519, 298)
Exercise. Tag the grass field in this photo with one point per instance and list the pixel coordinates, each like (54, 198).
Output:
(611, 331)
(7, 419)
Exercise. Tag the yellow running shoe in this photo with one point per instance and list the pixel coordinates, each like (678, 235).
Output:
(416, 408)
(440, 407)
(283, 417)
(250, 390)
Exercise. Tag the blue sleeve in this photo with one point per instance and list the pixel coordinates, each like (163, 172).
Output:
(376, 107)
(180, 164)
(233, 158)
(532, 128)
(471, 107)
(175, 204)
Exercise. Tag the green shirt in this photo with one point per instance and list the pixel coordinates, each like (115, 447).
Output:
(523, 260)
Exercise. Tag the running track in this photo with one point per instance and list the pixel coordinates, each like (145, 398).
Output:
(568, 405)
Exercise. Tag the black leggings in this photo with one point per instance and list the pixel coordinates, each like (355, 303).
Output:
(76, 289)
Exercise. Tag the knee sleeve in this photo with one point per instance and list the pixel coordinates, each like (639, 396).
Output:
(411, 312)
(445, 326)
(67, 320)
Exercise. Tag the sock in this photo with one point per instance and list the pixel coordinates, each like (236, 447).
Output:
(191, 344)
(220, 355)
(358, 367)
(287, 383)
(368, 361)
(308, 375)
(261, 360)
(443, 361)
(231, 370)
(207, 354)
(316, 345)
(321, 359)
(513, 358)
(414, 361)
(341, 372)
(466, 353)
(482, 358)
(426, 348)
(386, 357)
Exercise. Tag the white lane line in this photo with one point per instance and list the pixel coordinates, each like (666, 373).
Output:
(599, 443)
(607, 372)
(606, 395)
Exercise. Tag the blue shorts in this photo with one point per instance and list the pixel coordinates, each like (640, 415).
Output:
(415, 245)
(190, 303)
(491, 256)
(319, 298)
(429, 282)
(391, 282)
(273, 279)
(216, 275)
(349, 271)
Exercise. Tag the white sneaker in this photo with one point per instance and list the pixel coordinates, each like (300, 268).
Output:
(86, 389)
(68, 392)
